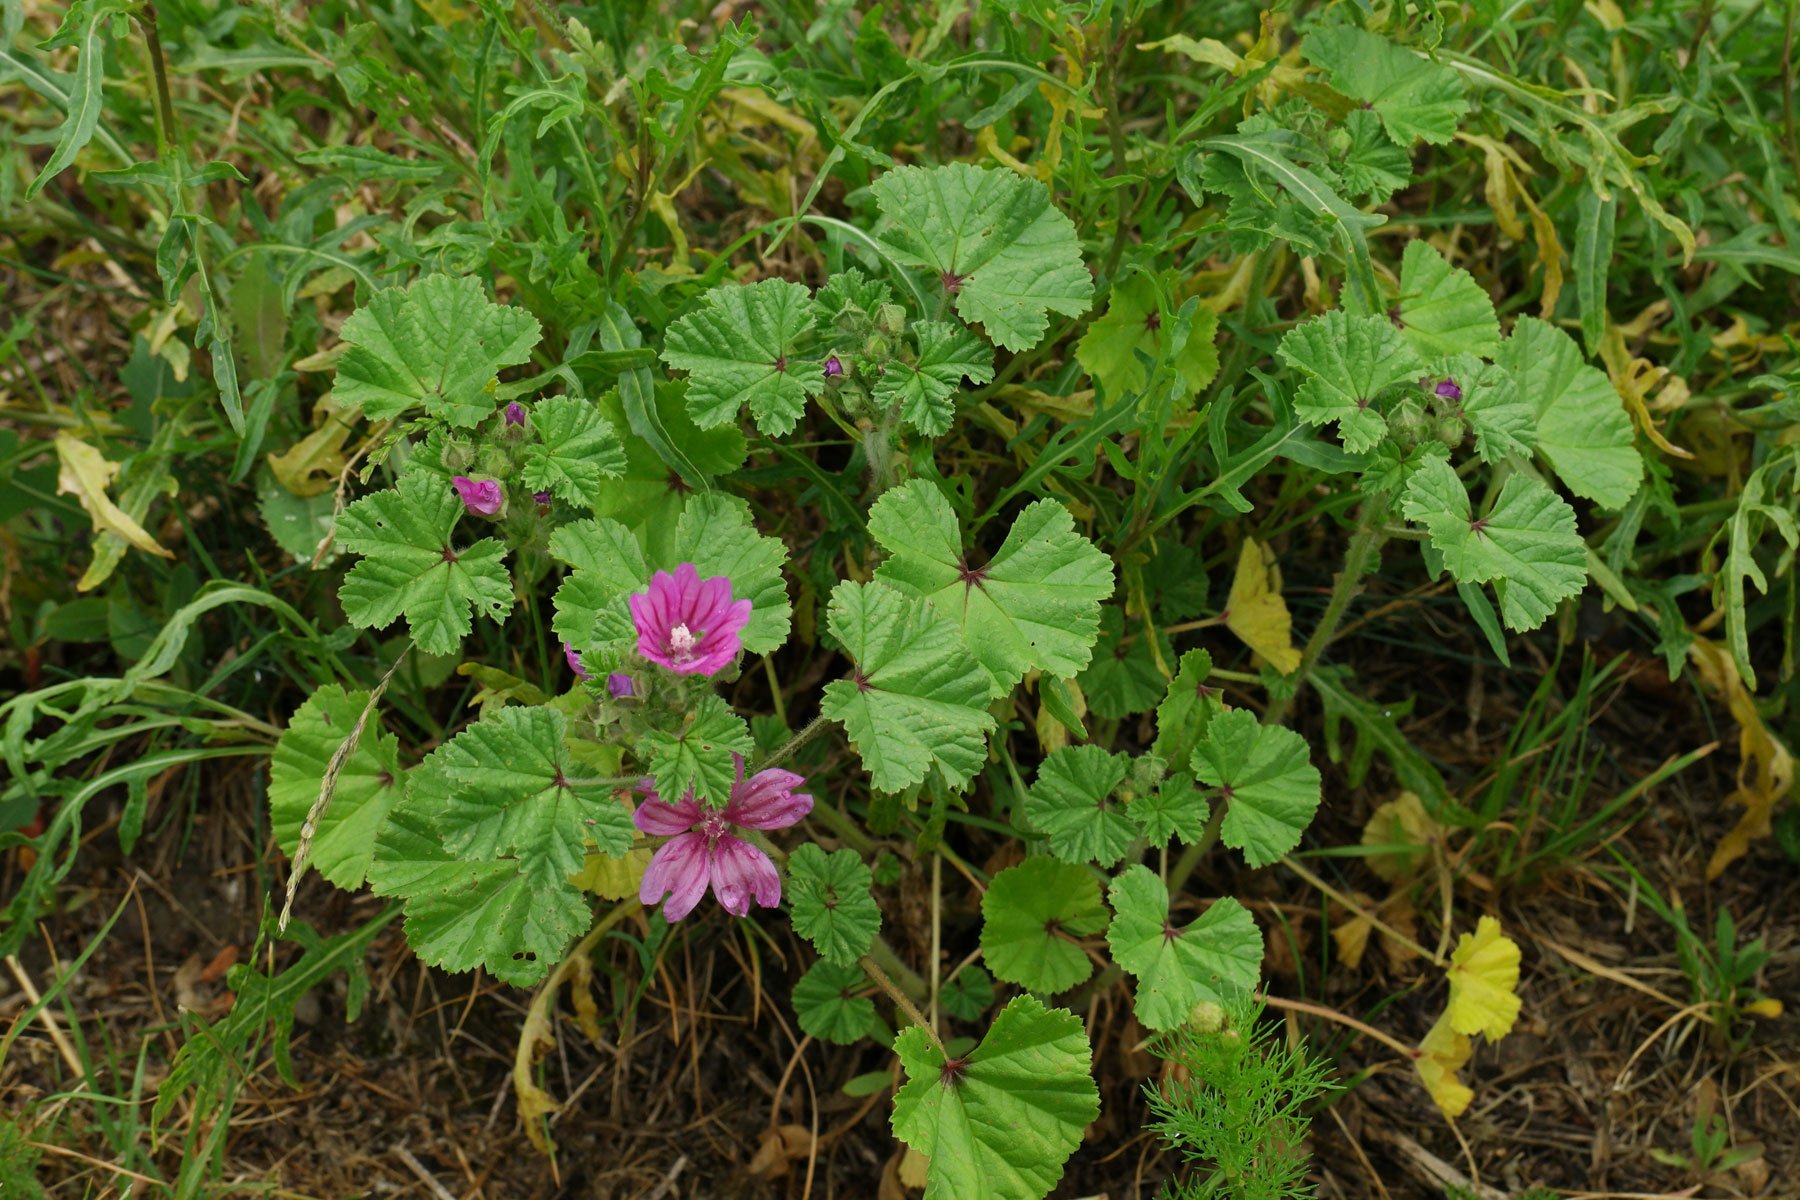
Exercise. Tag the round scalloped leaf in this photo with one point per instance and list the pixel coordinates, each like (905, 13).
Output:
(1209, 959)
(1032, 917)
(1071, 802)
(742, 347)
(832, 907)
(828, 1007)
(368, 784)
(1265, 777)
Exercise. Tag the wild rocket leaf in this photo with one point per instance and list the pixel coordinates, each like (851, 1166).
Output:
(916, 701)
(998, 247)
(1032, 915)
(366, 787)
(1211, 958)
(573, 451)
(1265, 777)
(1527, 545)
(833, 909)
(1034, 605)
(1072, 802)
(1413, 96)
(411, 566)
(999, 1123)
(1582, 428)
(84, 26)
(743, 346)
(1348, 361)
(925, 388)
(1442, 309)
(1133, 323)
(439, 344)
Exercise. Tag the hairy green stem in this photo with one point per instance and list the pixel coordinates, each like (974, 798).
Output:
(901, 1001)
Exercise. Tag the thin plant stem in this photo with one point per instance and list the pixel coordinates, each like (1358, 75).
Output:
(812, 730)
(1333, 1015)
(902, 1001)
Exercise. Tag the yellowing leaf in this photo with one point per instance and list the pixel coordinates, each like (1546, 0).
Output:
(1765, 767)
(1484, 974)
(1256, 613)
(613, 878)
(1633, 379)
(1441, 1055)
(312, 465)
(1403, 823)
(85, 473)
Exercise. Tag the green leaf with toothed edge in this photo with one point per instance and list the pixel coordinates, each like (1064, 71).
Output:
(1583, 430)
(1349, 361)
(925, 388)
(828, 1007)
(439, 344)
(697, 758)
(411, 566)
(1219, 953)
(1266, 779)
(994, 240)
(1526, 545)
(829, 896)
(742, 347)
(1034, 605)
(1413, 96)
(1442, 309)
(1071, 802)
(917, 703)
(575, 451)
(998, 1123)
(367, 787)
(1032, 915)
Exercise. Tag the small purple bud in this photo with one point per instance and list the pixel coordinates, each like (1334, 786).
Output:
(574, 661)
(833, 368)
(542, 498)
(619, 685)
(1447, 389)
(515, 413)
(480, 496)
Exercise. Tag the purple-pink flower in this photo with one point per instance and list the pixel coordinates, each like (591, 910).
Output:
(688, 624)
(480, 496)
(574, 661)
(702, 849)
(1448, 389)
(833, 368)
(619, 686)
(515, 413)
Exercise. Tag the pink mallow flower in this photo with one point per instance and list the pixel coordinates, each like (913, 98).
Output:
(515, 413)
(480, 496)
(702, 849)
(688, 624)
(574, 661)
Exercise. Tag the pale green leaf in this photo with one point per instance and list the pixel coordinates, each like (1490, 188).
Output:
(1413, 96)
(1133, 323)
(1583, 430)
(997, 245)
(1032, 917)
(743, 346)
(1442, 309)
(1173, 807)
(1265, 778)
(1034, 605)
(1072, 803)
(367, 784)
(917, 701)
(574, 451)
(999, 1123)
(440, 343)
(1527, 545)
(1212, 958)
(411, 566)
(1348, 361)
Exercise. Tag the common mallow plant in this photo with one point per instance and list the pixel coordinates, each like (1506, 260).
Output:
(959, 614)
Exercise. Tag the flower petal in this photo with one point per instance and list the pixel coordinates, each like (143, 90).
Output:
(767, 800)
(741, 873)
(680, 870)
(657, 816)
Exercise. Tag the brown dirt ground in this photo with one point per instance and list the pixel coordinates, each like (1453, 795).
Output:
(414, 1099)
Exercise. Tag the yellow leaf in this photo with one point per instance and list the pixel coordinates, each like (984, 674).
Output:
(613, 878)
(1765, 1008)
(1484, 975)
(1633, 379)
(85, 473)
(1401, 822)
(1352, 936)
(1441, 1055)
(1256, 613)
(312, 465)
(1765, 767)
